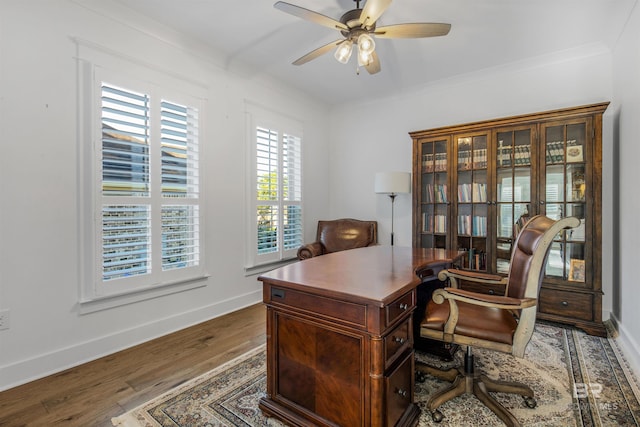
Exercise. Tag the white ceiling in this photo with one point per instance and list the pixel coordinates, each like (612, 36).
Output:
(254, 38)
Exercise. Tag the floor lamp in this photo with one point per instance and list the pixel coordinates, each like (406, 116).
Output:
(392, 183)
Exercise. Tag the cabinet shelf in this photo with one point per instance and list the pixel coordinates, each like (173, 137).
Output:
(477, 184)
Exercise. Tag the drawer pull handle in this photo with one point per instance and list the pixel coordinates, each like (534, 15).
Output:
(402, 392)
(491, 292)
(399, 340)
(404, 306)
(565, 304)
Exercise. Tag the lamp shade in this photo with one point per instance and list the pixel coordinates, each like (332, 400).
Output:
(393, 182)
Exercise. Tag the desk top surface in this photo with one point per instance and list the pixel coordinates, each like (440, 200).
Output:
(375, 274)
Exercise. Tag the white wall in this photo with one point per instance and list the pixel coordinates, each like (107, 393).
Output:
(626, 90)
(38, 180)
(577, 77)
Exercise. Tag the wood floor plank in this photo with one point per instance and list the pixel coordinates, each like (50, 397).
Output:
(92, 393)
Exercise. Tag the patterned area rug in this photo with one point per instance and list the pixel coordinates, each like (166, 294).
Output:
(579, 380)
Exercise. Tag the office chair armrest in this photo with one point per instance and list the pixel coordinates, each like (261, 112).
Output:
(453, 274)
(494, 301)
(310, 250)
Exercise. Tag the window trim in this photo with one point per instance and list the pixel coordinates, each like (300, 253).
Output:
(96, 65)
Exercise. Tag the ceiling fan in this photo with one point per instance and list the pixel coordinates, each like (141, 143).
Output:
(357, 27)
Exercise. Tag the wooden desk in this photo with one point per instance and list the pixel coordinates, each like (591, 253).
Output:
(339, 336)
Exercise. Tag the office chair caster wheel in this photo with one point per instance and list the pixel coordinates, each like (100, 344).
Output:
(437, 416)
(420, 377)
(530, 402)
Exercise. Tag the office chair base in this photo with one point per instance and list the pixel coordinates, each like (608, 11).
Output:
(466, 381)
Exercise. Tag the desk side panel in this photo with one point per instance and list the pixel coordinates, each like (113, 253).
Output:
(320, 369)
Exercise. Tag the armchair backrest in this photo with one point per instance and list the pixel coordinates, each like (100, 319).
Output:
(526, 270)
(342, 234)
(530, 252)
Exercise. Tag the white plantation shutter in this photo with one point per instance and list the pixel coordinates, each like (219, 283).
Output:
(276, 195)
(126, 241)
(180, 184)
(292, 194)
(126, 228)
(150, 188)
(267, 190)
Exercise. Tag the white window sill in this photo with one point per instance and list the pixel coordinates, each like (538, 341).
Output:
(111, 301)
(262, 268)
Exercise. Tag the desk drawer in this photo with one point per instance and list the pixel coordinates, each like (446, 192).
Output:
(399, 390)
(344, 312)
(396, 342)
(567, 304)
(400, 307)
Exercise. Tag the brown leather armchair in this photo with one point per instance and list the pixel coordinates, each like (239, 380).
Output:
(339, 235)
(496, 322)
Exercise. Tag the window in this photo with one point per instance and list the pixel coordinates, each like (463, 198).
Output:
(276, 192)
(142, 215)
(127, 193)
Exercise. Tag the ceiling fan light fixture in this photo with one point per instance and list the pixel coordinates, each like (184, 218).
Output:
(366, 44)
(358, 26)
(343, 52)
(364, 58)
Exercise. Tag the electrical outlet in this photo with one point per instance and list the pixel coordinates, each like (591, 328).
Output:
(4, 319)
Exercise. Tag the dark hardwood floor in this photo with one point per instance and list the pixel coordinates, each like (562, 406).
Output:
(90, 394)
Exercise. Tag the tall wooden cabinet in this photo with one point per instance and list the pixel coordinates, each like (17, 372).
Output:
(476, 184)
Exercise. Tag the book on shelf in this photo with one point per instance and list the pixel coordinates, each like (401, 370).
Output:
(474, 259)
(519, 155)
(434, 162)
(434, 223)
(475, 192)
(475, 226)
(428, 193)
(504, 154)
(479, 226)
(441, 193)
(464, 160)
(522, 155)
(440, 163)
(464, 225)
(555, 152)
(480, 158)
(428, 162)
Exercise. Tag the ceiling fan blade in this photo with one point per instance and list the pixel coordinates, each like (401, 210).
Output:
(372, 10)
(374, 65)
(310, 15)
(411, 31)
(317, 52)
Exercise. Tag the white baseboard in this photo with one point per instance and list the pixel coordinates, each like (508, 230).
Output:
(628, 345)
(40, 366)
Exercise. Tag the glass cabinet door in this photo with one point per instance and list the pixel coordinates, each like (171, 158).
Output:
(513, 162)
(566, 194)
(471, 154)
(434, 206)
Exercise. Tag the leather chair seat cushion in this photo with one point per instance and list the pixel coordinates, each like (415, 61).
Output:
(474, 321)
